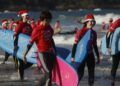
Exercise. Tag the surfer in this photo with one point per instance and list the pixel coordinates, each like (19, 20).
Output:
(103, 26)
(111, 30)
(11, 24)
(110, 23)
(42, 36)
(4, 24)
(116, 57)
(88, 23)
(25, 28)
(5, 27)
(57, 27)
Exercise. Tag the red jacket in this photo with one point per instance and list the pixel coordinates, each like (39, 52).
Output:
(24, 28)
(42, 35)
(115, 25)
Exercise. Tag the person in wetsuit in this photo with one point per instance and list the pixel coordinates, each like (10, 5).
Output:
(42, 36)
(88, 23)
(22, 27)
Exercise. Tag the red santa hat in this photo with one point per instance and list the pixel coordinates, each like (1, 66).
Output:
(89, 17)
(4, 21)
(22, 13)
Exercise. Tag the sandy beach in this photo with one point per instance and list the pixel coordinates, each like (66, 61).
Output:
(9, 75)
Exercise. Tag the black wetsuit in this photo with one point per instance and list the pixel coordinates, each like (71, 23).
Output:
(90, 58)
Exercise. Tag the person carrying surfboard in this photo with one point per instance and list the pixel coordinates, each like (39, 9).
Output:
(42, 36)
(5, 27)
(111, 30)
(22, 27)
(88, 23)
(5, 24)
(115, 57)
(8, 25)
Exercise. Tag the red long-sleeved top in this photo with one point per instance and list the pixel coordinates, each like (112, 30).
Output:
(42, 36)
(24, 28)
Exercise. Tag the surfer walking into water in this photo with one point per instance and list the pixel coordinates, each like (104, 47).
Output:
(42, 36)
(25, 28)
(115, 57)
(88, 23)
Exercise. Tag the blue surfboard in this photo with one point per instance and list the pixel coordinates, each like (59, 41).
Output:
(61, 76)
(6, 43)
(81, 50)
(115, 45)
(103, 47)
(6, 38)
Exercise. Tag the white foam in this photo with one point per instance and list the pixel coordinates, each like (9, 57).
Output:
(106, 17)
(64, 40)
(69, 40)
(2, 56)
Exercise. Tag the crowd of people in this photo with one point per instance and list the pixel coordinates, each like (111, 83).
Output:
(41, 32)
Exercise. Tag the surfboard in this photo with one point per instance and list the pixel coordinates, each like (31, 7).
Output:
(115, 44)
(81, 50)
(103, 47)
(63, 73)
(6, 43)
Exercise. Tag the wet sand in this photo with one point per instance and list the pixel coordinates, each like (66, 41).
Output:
(102, 74)
(9, 75)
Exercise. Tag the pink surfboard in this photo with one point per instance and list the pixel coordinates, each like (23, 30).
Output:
(63, 73)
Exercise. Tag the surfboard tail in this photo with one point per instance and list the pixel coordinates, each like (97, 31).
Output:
(64, 74)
